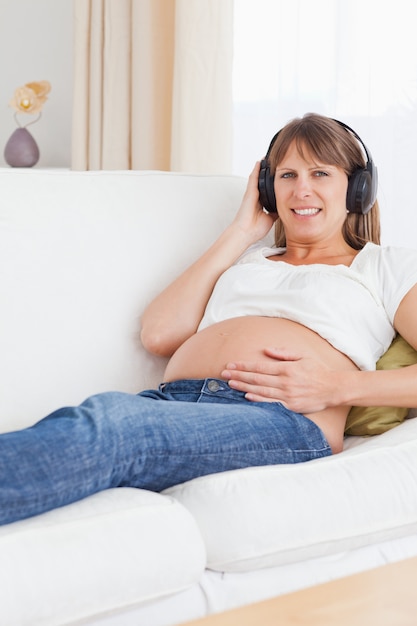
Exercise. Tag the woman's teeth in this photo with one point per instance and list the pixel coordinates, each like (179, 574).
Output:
(306, 211)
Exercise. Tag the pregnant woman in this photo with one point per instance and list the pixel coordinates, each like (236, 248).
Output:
(269, 347)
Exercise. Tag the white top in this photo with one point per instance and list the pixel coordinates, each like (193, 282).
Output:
(353, 308)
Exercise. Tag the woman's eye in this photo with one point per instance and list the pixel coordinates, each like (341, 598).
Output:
(316, 174)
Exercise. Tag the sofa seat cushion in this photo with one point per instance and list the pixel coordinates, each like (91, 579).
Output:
(267, 516)
(116, 548)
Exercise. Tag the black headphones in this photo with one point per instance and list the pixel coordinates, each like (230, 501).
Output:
(362, 185)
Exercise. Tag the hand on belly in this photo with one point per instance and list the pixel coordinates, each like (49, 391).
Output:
(302, 374)
(301, 382)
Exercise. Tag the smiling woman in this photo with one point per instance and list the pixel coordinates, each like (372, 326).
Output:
(312, 165)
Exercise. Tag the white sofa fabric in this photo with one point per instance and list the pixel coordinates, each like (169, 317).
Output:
(93, 558)
(348, 500)
(81, 254)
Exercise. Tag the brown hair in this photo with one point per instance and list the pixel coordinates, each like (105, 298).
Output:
(330, 143)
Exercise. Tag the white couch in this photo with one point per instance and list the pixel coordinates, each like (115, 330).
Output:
(81, 254)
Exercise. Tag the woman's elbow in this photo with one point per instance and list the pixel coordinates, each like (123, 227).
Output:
(156, 343)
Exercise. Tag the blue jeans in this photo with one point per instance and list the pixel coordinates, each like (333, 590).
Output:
(152, 440)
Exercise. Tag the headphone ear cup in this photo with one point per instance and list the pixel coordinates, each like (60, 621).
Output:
(266, 188)
(362, 189)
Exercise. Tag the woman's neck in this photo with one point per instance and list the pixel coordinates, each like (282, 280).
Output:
(296, 254)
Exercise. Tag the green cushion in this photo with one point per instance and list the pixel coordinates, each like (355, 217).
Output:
(375, 420)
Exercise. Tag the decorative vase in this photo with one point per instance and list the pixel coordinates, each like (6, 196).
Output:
(21, 149)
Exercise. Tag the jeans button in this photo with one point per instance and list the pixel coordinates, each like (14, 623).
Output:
(213, 385)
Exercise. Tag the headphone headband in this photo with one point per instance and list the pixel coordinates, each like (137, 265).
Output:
(355, 134)
(362, 185)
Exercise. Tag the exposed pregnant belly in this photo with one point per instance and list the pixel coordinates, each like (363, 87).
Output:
(205, 354)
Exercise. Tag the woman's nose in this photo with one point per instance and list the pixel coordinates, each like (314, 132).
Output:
(302, 187)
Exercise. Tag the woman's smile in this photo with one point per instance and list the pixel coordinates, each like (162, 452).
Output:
(306, 212)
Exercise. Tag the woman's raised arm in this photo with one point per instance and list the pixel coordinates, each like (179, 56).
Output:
(175, 314)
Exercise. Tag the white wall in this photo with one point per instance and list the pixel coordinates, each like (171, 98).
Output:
(36, 44)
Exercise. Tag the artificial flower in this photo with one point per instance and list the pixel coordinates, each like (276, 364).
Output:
(31, 97)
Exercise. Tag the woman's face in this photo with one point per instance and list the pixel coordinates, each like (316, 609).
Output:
(311, 198)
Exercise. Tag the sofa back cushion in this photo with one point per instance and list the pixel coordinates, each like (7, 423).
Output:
(81, 254)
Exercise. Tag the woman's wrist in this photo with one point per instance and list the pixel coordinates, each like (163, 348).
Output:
(379, 388)
(236, 239)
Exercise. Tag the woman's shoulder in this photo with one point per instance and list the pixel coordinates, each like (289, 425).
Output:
(373, 253)
(258, 252)
(390, 271)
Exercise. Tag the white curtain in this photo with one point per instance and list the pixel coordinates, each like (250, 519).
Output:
(153, 85)
(355, 61)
